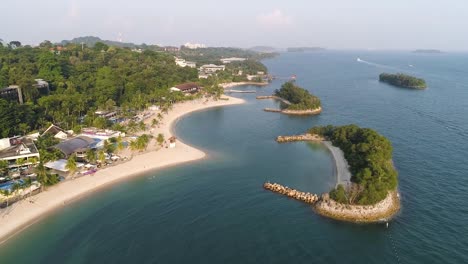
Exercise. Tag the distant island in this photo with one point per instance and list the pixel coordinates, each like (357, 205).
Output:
(429, 51)
(403, 80)
(263, 49)
(294, 100)
(304, 49)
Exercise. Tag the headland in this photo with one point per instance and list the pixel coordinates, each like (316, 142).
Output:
(22, 214)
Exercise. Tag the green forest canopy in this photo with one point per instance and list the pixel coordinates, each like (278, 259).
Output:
(299, 98)
(82, 81)
(402, 80)
(369, 156)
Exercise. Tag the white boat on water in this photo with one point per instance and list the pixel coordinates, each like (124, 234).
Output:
(358, 59)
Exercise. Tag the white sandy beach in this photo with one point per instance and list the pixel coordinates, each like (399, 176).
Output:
(235, 84)
(343, 175)
(24, 213)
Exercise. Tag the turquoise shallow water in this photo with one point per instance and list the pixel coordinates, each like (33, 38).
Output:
(215, 210)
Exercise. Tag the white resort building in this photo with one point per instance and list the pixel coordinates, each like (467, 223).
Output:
(183, 63)
(212, 68)
(17, 149)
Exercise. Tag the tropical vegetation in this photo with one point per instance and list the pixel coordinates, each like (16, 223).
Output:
(369, 156)
(403, 80)
(299, 98)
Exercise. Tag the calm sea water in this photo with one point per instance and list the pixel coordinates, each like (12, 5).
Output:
(215, 210)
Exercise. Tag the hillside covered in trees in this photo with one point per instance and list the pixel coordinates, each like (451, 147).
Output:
(82, 80)
(402, 80)
(299, 98)
(369, 156)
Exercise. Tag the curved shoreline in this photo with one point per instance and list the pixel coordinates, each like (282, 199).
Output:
(235, 84)
(325, 206)
(23, 214)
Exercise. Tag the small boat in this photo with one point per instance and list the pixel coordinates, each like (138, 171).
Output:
(358, 60)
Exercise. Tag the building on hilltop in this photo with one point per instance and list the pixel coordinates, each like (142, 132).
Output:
(229, 60)
(189, 45)
(183, 63)
(212, 68)
(171, 49)
(14, 92)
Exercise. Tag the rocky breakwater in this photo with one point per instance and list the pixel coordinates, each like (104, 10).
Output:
(315, 111)
(379, 212)
(306, 197)
(303, 137)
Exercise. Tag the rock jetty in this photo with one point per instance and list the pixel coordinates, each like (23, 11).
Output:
(306, 197)
(303, 137)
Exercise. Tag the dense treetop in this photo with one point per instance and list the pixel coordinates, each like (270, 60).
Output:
(369, 156)
(214, 54)
(81, 81)
(299, 98)
(403, 80)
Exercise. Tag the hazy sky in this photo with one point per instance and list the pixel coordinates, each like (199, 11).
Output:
(338, 24)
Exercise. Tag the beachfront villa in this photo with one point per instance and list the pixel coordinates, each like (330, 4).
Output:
(101, 134)
(18, 152)
(186, 88)
(78, 145)
(60, 167)
(172, 142)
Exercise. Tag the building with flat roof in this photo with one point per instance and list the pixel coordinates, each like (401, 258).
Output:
(229, 60)
(14, 92)
(183, 63)
(212, 68)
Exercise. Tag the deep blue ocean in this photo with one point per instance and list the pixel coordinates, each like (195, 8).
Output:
(216, 211)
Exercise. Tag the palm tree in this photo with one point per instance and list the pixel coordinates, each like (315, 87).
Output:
(7, 194)
(142, 126)
(91, 156)
(101, 157)
(120, 144)
(134, 145)
(160, 116)
(20, 162)
(3, 166)
(154, 122)
(160, 139)
(42, 176)
(71, 165)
